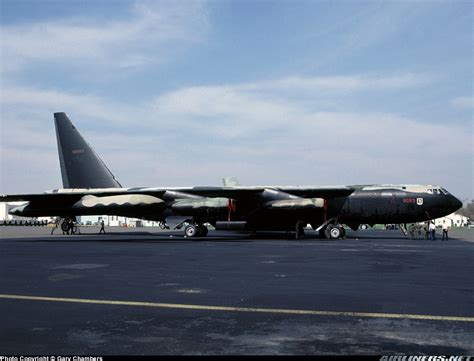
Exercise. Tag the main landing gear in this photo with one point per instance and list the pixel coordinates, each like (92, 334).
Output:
(333, 230)
(68, 226)
(65, 225)
(195, 230)
(192, 228)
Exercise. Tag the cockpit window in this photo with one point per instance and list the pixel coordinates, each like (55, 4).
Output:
(437, 190)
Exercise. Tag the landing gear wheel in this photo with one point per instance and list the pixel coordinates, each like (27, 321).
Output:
(334, 232)
(191, 230)
(64, 226)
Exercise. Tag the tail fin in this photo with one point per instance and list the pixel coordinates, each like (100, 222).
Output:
(81, 167)
(230, 182)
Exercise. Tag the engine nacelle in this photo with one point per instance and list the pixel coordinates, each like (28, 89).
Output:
(294, 204)
(201, 206)
(120, 204)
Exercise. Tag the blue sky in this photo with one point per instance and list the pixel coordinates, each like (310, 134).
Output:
(273, 92)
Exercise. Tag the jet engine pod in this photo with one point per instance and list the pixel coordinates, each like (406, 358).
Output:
(120, 204)
(201, 206)
(295, 204)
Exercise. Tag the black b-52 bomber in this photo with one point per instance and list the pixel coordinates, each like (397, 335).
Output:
(91, 189)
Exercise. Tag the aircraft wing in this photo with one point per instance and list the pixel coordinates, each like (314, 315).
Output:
(37, 197)
(326, 192)
(53, 197)
(151, 202)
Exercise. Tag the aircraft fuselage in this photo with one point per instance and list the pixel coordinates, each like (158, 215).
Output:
(367, 206)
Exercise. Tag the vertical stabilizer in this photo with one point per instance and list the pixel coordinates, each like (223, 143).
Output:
(81, 167)
(230, 182)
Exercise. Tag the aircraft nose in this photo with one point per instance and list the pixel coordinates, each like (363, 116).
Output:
(455, 203)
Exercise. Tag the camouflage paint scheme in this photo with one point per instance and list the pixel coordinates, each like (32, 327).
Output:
(356, 204)
(91, 189)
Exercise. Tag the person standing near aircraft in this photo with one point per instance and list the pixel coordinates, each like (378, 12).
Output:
(433, 231)
(411, 231)
(56, 224)
(65, 229)
(71, 226)
(445, 230)
(102, 227)
(427, 230)
(299, 230)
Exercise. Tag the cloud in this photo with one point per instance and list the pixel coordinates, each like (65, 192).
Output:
(463, 102)
(41, 103)
(229, 111)
(379, 22)
(354, 30)
(243, 109)
(145, 37)
(349, 83)
(261, 132)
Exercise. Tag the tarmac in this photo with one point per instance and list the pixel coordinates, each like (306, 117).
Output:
(146, 291)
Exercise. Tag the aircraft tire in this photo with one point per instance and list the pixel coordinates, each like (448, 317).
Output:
(64, 226)
(334, 232)
(191, 231)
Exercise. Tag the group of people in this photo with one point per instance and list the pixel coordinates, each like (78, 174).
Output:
(70, 227)
(427, 230)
